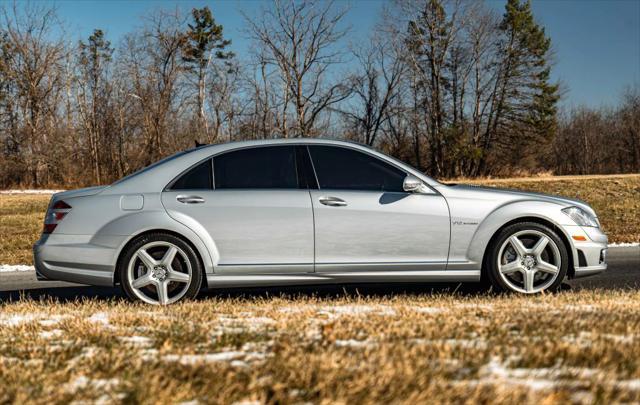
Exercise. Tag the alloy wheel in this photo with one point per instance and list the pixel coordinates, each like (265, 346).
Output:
(159, 273)
(529, 261)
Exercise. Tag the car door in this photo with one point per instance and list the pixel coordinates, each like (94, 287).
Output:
(255, 207)
(365, 221)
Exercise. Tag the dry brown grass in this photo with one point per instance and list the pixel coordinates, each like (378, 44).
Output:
(574, 347)
(21, 218)
(615, 198)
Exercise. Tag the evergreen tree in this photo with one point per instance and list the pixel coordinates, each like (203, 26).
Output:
(525, 109)
(204, 41)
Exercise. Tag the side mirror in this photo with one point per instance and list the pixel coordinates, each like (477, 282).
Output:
(412, 184)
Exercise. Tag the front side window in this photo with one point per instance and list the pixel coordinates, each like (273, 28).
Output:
(262, 167)
(347, 169)
(197, 178)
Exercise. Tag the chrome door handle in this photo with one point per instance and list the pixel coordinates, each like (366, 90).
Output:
(190, 199)
(333, 201)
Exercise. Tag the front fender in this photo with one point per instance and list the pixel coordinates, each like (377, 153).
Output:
(547, 211)
(136, 223)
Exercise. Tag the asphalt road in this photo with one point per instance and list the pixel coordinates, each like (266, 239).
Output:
(623, 273)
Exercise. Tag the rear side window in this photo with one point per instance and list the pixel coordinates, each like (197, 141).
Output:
(347, 169)
(263, 167)
(198, 178)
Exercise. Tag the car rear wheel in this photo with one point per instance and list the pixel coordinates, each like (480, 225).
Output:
(160, 269)
(527, 258)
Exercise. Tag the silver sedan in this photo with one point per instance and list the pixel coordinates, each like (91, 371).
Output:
(289, 212)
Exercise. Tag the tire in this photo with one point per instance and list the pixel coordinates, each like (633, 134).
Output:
(160, 269)
(537, 264)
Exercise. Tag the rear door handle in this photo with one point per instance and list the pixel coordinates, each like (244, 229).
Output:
(190, 199)
(333, 201)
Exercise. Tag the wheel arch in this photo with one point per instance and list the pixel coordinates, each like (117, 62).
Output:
(123, 248)
(539, 220)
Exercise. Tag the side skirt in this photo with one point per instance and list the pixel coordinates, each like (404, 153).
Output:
(259, 280)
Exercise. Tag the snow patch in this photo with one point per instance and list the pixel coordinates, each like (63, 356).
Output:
(139, 341)
(11, 361)
(428, 310)
(82, 382)
(86, 353)
(477, 343)
(53, 320)
(339, 310)
(586, 339)
(624, 244)
(498, 372)
(13, 268)
(100, 318)
(30, 191)
(15, 320)
(50, 334)
(355, 343)
(193, 359)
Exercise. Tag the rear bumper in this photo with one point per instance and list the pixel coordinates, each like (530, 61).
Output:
(73, 259)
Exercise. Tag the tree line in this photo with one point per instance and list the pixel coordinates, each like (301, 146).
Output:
(450, 86)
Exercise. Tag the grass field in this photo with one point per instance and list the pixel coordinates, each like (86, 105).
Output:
(570, 347)
(615, 198)
(574, 347)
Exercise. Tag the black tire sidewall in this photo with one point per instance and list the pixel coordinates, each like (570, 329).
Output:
(138, 242)
(491, 263)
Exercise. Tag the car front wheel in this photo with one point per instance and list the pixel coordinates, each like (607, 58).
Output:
(160, 269)
(527, 258)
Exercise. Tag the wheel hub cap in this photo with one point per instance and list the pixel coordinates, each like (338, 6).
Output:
(529, 262)
(159, 273)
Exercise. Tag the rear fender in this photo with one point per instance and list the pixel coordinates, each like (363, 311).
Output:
(137, 223)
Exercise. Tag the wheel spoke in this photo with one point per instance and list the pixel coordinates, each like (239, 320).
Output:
(546, 267)
(142, 281)
(146, 258)
(163, 293)
(518, 246)
(540, 246)
(169, 255)
(528, 280)
(178, 276)
(511, 267)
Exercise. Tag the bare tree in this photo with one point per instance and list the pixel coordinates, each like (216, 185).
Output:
(374, 89)
(32, 62)
(153, 62)
(93, 98)
(299, 40)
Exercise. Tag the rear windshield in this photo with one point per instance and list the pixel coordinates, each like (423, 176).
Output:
(156, 164)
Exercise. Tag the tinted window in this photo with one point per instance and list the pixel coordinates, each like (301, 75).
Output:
(197, 178)
(347, 169)
(266, 167)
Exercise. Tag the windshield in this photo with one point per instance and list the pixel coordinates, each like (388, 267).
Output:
(401, 163)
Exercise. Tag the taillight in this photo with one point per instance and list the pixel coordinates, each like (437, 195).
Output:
(55, 214)
(61, 205)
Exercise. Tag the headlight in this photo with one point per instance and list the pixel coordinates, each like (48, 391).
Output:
(581, 217)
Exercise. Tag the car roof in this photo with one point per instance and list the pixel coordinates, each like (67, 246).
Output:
(279, 141)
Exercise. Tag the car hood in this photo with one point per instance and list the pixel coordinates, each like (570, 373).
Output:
(512, 194)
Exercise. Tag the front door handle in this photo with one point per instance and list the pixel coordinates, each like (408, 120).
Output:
(190, 199)
(333, 201)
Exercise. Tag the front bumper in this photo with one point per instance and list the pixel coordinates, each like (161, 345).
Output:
(74, 259)
(590, 256)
